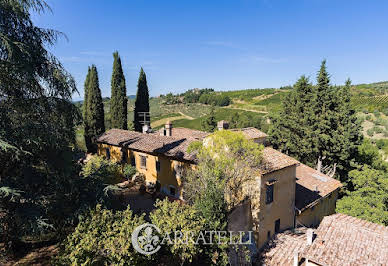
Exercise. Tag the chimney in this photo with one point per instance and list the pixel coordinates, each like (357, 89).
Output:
(146, 129)
(222, 125)
(168, 129)
(310, 236)
(296, 259)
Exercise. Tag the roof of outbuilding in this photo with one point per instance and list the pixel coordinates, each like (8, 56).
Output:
(340, 240)
(311, 186)
(345, 240)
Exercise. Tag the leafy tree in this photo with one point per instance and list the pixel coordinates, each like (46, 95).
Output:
(142, 102)
(129, 171)
(100, 168)
(209, 124)
(103, 238)
(95, 114)
(175, 216)
(37, 125)
(369, 200)
(118, 101)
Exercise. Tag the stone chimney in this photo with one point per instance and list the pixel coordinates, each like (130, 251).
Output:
(222, 125)
(146, 129)
(296, 259)
(310, 236)
(168, 129)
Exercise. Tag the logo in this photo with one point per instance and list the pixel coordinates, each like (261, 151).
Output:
(145, 239)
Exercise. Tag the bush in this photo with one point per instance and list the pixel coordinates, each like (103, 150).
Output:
(376, 113)
(102, 169)
(368, 118)
(378, 130)
(129, 171)
(103, 238)
(370, 132)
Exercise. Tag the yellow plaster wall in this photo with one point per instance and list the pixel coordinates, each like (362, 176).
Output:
(312, 216)
(281, 208)
(165, 176)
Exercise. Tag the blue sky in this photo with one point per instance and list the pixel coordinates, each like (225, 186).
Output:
(221, 44)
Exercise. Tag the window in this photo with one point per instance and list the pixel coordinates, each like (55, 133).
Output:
(269, 235)
(277, 226)
(123, 156)
(269, 194)
(157, 166)
(143, 162)
(107, 153)
(133, 161)
(172, 191)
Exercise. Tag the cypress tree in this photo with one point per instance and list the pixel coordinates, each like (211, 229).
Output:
(96, 108)
(142, 102)
(85, 112)
(118, 101)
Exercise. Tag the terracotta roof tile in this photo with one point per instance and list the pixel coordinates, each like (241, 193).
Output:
(346, 240)
(280, 250)
(311, 186)
(181, 132)
(150, 143)
(274, 160)
(251, 132)
(340, 240)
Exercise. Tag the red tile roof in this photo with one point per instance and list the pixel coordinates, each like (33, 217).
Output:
(346, 240)
(251, 132)
(274, 160)
(149, 143)
(181, 132)
(311, 186)
(280, 250)
(340, 240)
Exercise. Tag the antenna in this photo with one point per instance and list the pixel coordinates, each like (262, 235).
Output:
(144, 118)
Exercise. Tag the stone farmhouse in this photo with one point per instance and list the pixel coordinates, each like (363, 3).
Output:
(290, 194)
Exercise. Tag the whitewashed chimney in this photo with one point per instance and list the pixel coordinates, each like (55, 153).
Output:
(168, 128)
(222, 125)
(296, 259)
(310, 236)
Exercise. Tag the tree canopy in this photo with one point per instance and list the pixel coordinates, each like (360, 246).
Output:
(142, 104)
(118, 100)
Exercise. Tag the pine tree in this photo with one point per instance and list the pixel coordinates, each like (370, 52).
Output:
(118, 101)
(318, 126)
(95, 114)
(142, 102)
(85, 112)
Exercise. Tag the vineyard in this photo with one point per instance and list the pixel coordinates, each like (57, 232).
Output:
(372, 103)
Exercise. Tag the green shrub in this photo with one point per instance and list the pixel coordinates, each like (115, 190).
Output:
(380, 144)
(376, 113)
(103, 238)
(102, 169)
(129, 171)
(368, 117)
(370, 132)
(378, 130)
(379, 121)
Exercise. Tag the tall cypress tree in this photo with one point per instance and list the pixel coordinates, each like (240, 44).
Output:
(95, 111)
(86, 110)
(142, 102)
(118, 101)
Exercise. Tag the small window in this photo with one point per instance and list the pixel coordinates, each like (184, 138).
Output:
(157, 166)
(277, 226)
(269, 194)
(123, 156)
(143, 162)
(107, 153)
(172, 191)
(269, 235)
(133, 161)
